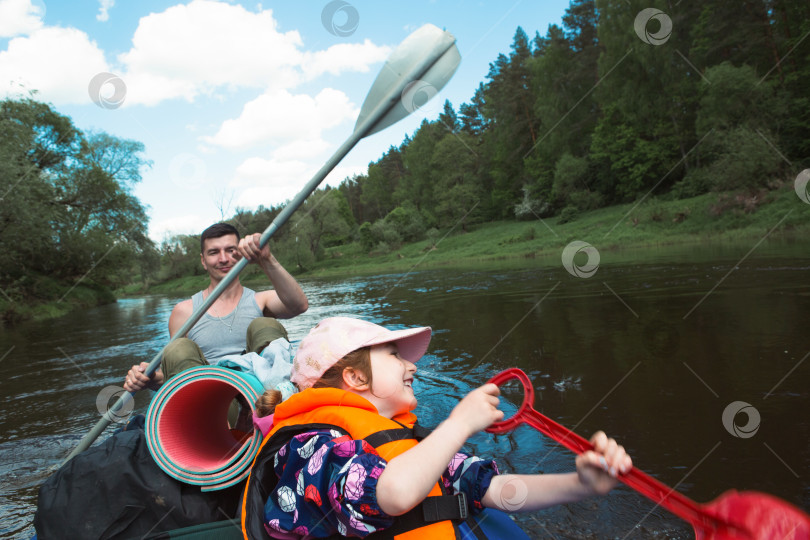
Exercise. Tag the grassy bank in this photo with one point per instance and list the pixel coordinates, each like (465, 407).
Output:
(46, 298)
(180, 286)
(712, 218)
(709, 220)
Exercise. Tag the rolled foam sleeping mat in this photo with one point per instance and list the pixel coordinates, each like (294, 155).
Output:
(187, 429)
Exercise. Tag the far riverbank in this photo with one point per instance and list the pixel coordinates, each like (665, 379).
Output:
(721, 220)
(624, 230)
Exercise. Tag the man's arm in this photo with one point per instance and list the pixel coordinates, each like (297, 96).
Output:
(136, 379)
(179, 316)
(288, 299)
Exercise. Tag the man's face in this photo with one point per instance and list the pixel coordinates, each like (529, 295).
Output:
(220, 255)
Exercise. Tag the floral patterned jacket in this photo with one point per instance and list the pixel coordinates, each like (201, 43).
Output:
(327, 484)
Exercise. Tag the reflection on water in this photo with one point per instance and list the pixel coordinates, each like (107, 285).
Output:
(639, 350)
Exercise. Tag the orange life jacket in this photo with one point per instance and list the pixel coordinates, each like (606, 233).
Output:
(325, 408)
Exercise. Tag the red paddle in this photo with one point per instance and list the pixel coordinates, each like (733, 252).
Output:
(733, 515)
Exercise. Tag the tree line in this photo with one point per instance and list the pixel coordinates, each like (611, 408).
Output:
(67, 214)
(589, 115)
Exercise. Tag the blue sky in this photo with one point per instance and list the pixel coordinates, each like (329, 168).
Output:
(238, 103)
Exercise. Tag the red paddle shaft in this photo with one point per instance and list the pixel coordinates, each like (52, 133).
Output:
(659, 493)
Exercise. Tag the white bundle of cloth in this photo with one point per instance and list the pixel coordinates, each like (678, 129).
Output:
(272, 367)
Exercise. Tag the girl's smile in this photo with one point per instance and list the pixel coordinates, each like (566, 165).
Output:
(392, 381)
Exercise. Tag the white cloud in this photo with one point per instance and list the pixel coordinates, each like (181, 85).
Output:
(273, 172)
(269, 181)
(58, 62)
(187, 224)
(272, 182)
(104, 10)
(20, 17)
(280, 116)
(301, 149)
(344, 57)
(266, 196)
(206, 46)
(195, 48)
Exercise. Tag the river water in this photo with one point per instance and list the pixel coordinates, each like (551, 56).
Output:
(653, 348)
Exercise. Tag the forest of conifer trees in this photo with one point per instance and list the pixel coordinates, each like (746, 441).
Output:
(590, 115)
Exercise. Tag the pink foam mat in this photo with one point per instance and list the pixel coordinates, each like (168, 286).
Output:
(187, 427)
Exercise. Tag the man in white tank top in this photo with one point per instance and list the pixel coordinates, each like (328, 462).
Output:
(240, 320)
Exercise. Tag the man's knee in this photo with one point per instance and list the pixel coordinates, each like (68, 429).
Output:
(180, 355)
(263, 331)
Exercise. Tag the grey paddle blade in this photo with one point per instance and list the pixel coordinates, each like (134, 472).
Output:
(425, 79)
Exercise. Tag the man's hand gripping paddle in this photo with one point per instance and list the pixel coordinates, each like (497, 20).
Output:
(732, 516)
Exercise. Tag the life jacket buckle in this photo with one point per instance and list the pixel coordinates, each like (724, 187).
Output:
(444, 507)
(463, 509)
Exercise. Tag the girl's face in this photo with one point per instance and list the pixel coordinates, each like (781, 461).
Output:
(392, 376)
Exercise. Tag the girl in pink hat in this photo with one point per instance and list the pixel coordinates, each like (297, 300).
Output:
(345, 455)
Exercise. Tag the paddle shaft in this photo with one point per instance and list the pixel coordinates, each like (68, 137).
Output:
(390, 99)
(658, 492)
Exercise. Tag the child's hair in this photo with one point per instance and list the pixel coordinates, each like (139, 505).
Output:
(359, 360)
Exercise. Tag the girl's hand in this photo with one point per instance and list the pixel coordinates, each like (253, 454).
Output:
(479, 409)
(599, 468)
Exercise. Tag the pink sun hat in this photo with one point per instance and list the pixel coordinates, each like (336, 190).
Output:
(335, 337)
